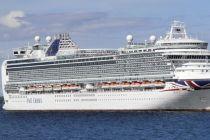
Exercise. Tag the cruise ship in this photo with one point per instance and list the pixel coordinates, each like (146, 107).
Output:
(164, 73)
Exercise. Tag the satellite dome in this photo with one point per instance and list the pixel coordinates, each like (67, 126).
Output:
(37, 38)
(152, 38)
(48, 39)
(129, 38)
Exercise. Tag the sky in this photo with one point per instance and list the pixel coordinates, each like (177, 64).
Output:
(98, 24)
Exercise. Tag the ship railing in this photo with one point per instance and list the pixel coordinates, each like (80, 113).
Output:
(101, 79)
(186, 53)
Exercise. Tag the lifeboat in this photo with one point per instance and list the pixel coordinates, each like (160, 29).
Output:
(39, 88)
(57, 87)
(159, 83)
(105, 85)
(75, 87)
(71, 87)
(114, 85)
(31, 88)
(99, 84)
(135, 84)
(153, 84)
(125, 84)
(48, 87)
(147, 84)
(65, 87)
(110, 85)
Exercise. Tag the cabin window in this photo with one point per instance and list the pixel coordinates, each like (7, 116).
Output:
(15, 52)
(22, 52)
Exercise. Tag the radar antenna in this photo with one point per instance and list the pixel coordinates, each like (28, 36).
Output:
(177, 31)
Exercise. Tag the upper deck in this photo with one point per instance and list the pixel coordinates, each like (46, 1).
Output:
(63, 47)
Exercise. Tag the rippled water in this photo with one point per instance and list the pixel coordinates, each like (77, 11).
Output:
(104, 125)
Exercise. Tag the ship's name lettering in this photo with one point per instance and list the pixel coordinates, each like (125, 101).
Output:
(34, 100)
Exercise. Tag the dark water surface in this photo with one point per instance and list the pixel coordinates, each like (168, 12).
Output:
(104, 125)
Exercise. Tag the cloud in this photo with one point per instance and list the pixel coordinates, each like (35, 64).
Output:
(13, 19)
(83, 27)
(83, 22)
(118, 23)
(105, 23)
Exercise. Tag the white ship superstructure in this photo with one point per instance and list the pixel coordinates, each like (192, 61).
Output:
(168, 73)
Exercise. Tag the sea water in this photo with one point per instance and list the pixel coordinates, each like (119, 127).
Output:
(104, 125)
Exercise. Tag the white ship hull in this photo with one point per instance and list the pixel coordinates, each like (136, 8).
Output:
(133, 100)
